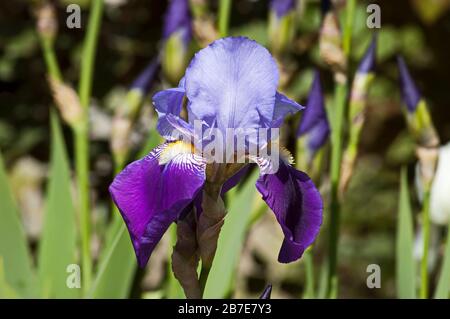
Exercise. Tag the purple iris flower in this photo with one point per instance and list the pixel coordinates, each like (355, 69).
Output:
(314, 123)
(410, 93)
(282, 7)
(178, 19)
(232, 83)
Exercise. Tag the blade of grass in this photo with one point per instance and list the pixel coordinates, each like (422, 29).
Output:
(231, 240)
(426, 244)
(57, 248)
(116, 270)
(82, 137)
(405, 264)
(337, 125)
(309, 292)
(443, 287)
(13, 243)
(6, 291)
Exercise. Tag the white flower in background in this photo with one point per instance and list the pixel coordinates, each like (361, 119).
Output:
(440, 191)
(439, 206)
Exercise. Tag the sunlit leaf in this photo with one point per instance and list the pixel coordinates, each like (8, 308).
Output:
(57, 248)
(443, 287)
(13, 243)
(405, 264)
(116, 270)
(6, 291)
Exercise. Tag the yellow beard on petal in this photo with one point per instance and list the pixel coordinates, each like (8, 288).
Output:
(173, 149)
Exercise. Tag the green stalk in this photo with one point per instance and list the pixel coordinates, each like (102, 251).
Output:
(50, 58)
(340, 98)
(349, 18)
(82, 138)
(309, 271)
(224, 17)
(335, 207)
(442, 289)
(426, 245)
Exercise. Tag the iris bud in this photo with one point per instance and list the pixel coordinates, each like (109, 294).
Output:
(330, 40)
(420, 125)
(47, 23)
(281, 24)
(67, 102)
(357, 110)
(177, 35)
(126, 114)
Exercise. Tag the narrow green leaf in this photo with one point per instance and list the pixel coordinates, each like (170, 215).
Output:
(57, 249)
(405, 264)
(116, 270)
(13, 243)
(6, 291)
(443, 287)
(231, 240)
(323, 277)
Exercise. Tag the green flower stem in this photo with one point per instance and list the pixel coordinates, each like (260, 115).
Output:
(442, 291)
(309, 271)
(426, 245)
(350, 14)
(224, 17)
(82, 138)
(335, 207)
(50, 58)
(340, 99)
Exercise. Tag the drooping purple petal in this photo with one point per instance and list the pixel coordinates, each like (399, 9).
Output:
(368, 62)
(314, 122)
(178, 19)
(150, 195)
(297, 205)
(231, 84)
(144, 81)
(283, 107)
(410, 93)
(282, 7)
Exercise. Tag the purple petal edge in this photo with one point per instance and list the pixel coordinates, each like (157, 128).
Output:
(297, 205)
